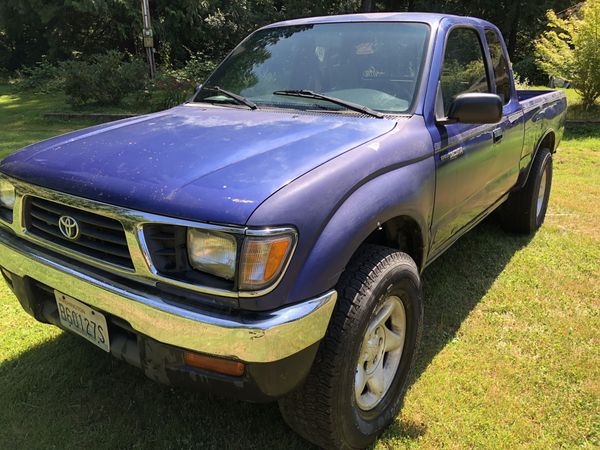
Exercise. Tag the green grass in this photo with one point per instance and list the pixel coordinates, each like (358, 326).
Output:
(510, 355)
(21, 121)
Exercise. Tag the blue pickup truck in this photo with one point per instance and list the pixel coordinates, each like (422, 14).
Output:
(265, 239)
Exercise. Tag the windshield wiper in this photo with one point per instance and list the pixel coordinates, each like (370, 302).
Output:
(349, 105)
(238, 98)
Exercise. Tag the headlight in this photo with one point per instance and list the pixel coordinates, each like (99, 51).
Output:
(263, 259)
(7, 195)
(212, 252)
(253, 264)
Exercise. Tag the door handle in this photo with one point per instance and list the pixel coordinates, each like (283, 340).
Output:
(540, 115)
(497, 135)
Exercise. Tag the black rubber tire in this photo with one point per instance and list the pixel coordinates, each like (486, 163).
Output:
(519, 213)
(324, 409)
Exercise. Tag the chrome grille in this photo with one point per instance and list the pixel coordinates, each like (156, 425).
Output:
(132, 254)
(167, 247)
(99, 237)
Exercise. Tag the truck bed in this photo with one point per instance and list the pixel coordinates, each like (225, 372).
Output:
(543, 110)
(528, 94)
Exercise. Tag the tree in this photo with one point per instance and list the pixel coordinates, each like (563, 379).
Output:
(55, 30)
(58, 29)
(569, 49)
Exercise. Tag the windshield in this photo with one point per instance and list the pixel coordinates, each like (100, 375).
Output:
(375, 64)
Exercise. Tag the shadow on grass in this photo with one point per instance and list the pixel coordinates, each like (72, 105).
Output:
(66, 393)
(455, 283)
(453, 286)
(578, 112)
(579, 132)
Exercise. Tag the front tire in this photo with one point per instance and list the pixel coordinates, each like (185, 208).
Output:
(358, 381)
(525, 210)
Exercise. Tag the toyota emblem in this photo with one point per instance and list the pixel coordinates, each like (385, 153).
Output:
(69, 227)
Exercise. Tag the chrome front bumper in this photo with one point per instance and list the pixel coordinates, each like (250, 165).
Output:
(252, 337)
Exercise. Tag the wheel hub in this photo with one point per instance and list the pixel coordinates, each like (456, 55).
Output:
(380, 353)
(541, 195)
(374, 351)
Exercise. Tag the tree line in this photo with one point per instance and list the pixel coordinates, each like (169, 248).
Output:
(57, 30)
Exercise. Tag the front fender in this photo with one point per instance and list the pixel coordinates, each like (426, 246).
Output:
(406, 191)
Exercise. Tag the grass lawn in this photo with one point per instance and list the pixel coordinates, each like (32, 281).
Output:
(22, 122)
(510, 355)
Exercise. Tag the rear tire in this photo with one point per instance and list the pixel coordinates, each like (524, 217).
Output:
(360, 375)
(525, 209)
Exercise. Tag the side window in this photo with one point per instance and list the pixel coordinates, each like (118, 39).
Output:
(464, 66)
(500, 65)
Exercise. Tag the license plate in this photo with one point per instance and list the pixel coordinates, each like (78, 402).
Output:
(83, 320)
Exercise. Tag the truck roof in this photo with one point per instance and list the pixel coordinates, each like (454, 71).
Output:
(432, 19)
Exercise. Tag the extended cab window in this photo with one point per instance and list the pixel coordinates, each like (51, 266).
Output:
(464, 66)
(500, 65)
(376, 64)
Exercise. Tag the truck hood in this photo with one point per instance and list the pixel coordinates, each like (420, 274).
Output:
(201, 163)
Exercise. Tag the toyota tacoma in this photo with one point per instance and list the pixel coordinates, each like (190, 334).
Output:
(266, 239)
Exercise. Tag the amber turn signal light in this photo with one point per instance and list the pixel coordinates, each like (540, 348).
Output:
(263, 260)
(224, 366)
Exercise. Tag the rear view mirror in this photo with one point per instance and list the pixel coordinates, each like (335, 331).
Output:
(475, 108)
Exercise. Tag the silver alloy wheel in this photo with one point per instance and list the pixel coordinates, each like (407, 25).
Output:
(380, 354)
(541, 194)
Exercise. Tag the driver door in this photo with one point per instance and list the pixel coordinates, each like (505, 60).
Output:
(464, 155)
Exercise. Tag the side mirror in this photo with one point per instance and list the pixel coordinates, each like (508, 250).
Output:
(475, 108)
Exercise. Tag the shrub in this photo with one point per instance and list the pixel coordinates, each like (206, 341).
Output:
(198, 67)
(569, 50)
(169, 90)
(42, 77)
(105, 79)
(521, 82)
(527, 68)
(4, 75)
(174, 86)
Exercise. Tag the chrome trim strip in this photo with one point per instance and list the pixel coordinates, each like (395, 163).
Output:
(133, 222)
(252, 337)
